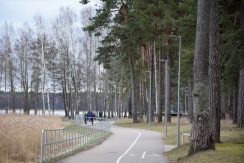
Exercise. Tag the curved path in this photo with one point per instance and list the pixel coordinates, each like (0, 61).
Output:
(126, 145)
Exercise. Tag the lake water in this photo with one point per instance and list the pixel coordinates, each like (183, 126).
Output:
(39, 112)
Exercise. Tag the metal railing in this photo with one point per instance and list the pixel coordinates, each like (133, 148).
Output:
(58, 142)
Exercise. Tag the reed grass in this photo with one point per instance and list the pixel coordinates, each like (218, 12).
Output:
(20, 136)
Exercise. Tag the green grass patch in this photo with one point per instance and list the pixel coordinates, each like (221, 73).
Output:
(70, 125)
(224, 153)
(231, 150)
(158, 127)
(176, 153)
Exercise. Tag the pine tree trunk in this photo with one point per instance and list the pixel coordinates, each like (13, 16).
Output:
(159, 115)
(190, 99)
(214, 70)
(201, 134)
(234, 104)
(129, 103)
(153, 95)
(240, 117)
(231, 106)
(140, 106)
(222, 100)
(228, 105)
(132, 80)
(149, 83)
(120, 99)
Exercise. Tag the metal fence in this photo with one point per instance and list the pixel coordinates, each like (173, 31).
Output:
(58, 142)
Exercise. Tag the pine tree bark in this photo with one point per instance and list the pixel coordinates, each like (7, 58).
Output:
(120, 98)
(149, 83)
(132, 82)
(129, 104)
(222, 100)
(240, 115)
(159, 115)
(201, 134)
(190, 99)
(214, 70)
(240, 118)
(153, 95)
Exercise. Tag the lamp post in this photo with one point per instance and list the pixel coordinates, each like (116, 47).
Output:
(149, 99)
(178, 109)
(178, 92)
(166, 92)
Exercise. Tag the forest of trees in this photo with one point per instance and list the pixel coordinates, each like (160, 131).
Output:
(139, 35)
(115, 53)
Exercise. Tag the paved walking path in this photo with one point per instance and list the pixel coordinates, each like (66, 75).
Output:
(126, 145)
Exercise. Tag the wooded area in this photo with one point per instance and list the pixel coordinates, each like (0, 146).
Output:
(124, 57)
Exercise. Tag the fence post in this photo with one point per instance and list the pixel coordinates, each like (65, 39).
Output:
(42, 147)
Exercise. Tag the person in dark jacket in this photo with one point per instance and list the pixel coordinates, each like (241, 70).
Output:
(85, 118)
(92, 117)
(100, 114)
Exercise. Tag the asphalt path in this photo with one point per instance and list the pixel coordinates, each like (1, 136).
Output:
(126, 145)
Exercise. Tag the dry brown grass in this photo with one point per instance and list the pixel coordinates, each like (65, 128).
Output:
(20, 136)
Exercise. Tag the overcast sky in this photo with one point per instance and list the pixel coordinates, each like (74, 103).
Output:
(19, 11)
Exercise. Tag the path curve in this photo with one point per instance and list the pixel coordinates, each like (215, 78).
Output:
(126, 145)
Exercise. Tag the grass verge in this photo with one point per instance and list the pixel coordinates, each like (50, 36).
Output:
(231, 150)
(159, 127)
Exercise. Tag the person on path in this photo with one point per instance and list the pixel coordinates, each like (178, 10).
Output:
(85, 118)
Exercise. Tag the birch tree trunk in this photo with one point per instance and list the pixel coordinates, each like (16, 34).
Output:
(156, 79)
(12, 87)
(95, 89)
(201, 134)
(5, 81)
(54, 91)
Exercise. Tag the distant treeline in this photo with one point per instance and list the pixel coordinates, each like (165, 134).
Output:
(55, 100)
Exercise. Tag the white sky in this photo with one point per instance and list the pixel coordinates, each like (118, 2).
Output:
(19, 11)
